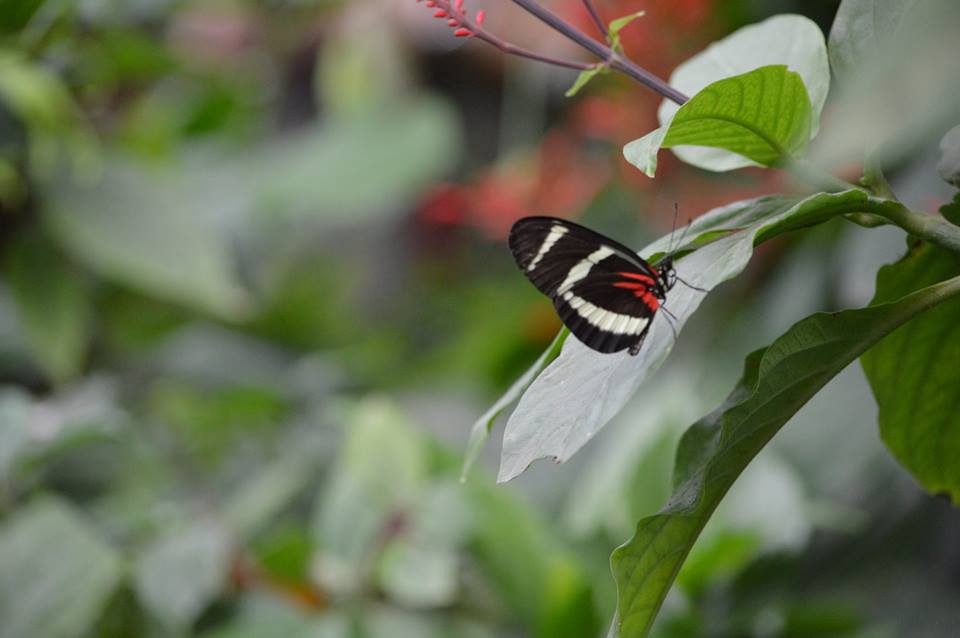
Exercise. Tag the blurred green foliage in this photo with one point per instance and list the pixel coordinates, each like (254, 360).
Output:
(238, 366)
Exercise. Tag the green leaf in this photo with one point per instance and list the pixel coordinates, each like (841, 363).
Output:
(262, 615)
(16, 14)
(16, 408)
(420, 567)
(180, 573)
(913, 374)
(874, 108)
(777, 381)
(157, 232)
(53, 305)
(763, 115)
(581, 390)
(54, 121)
(382, 470)
(616, 26)
(789, 39)
(480, 432)
(58, 573)
(539, 579)
(582, 79)
(350, 171)
(862, 28)
(261, 497)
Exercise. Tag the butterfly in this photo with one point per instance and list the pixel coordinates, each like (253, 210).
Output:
(603, 291)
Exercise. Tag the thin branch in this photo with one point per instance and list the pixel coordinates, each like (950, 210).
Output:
(605, 53)
(476, 30)
(592, 10)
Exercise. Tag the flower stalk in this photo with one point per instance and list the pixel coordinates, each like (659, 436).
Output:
(466, 26)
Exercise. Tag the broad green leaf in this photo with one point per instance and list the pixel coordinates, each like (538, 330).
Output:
(382, 621)
(53, 305)
(420, 567)
(616, 26)
(259, 499)
(581, 390)
(382, 470)
(789, 39)
(874, 109)
(262, 615)
(763, 115)
(58, 572)
(179, 574)
(582, 78)
(777, 381)
(53, 120)
(862, 28)
(538, 578)
(914, 374)
(157, 232)
(480, 431)
(949, 165)
(352, 170)
(16, 407)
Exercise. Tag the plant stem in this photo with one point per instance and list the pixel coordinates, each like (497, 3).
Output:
(592, 10)
(610, 57)
(935, 230)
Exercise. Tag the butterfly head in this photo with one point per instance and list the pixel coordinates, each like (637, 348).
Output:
(666, 274)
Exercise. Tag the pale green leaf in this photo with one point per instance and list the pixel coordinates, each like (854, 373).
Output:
(582, 79)
(862, 28)
(777, 381)
(182, 572)
(58, 572)
(480, 432)
(420, 567)
(616, 26)
(258, 499)
(381, 470)
(157, 232)
(352, 170)
(15, 410)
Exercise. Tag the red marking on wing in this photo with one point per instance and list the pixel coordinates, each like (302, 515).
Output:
(638, 276)
(641, 290)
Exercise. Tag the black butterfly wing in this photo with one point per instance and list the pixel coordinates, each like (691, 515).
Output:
(603, 291)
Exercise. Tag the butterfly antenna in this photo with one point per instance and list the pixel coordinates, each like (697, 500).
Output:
(686, 229)
(673, 227)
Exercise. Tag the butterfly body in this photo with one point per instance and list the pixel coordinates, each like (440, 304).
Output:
(603, 291)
